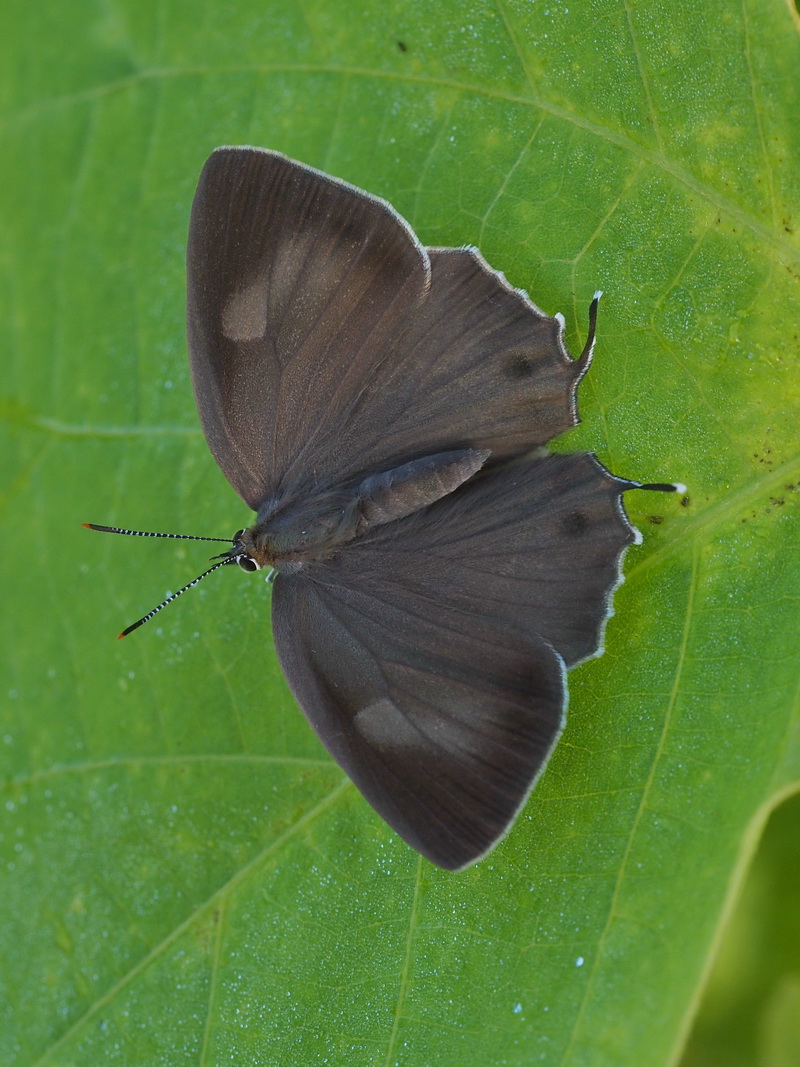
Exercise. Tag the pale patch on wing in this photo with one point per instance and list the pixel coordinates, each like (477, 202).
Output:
(244, 317)
(384, 725)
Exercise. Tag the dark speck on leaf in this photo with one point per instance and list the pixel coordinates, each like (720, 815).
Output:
(656, 520)
(403, 47)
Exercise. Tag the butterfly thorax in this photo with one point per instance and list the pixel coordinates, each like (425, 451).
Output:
(296, 532)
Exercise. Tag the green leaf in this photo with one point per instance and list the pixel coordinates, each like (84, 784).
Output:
(186, 877)
(750, 1016)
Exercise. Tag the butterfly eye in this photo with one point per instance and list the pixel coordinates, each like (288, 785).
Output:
(247, 563)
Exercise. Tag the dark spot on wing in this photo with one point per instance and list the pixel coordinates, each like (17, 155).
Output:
(575, 524)
(518, 367)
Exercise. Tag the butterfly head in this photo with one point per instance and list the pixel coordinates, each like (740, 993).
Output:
(244, 552)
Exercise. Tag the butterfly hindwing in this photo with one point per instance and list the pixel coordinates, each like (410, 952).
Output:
(429, 655)
(536, 544)
(443, 721)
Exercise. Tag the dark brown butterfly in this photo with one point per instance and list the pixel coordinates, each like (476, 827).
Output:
(377, 403)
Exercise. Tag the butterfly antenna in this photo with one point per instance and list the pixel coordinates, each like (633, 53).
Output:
(174, 596)
(148, 533)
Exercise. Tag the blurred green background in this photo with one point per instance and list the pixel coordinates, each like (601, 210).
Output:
(185, 876)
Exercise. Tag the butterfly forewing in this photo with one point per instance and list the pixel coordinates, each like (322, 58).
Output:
(326, 343)
(295, 284)
(477, 364)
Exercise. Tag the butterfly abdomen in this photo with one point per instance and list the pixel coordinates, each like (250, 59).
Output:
(311, 528)
(413, 486)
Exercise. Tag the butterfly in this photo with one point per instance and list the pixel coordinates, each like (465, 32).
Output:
(383, 409)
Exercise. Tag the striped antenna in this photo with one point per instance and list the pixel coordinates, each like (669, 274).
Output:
(148, 533)
(174, 596)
